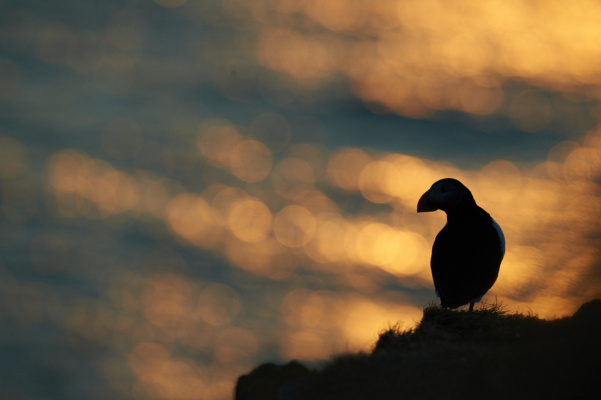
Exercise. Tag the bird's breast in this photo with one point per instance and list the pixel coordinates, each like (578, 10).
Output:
(501, 236)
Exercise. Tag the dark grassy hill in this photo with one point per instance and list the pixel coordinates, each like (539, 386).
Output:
(485, 354)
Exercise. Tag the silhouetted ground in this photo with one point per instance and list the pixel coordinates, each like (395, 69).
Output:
(485, 354)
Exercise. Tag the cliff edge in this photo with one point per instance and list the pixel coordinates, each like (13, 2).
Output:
(453, 354)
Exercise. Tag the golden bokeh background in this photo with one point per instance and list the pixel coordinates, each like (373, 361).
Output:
(191, 188)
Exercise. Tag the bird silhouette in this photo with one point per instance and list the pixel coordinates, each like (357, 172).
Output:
(467, 252)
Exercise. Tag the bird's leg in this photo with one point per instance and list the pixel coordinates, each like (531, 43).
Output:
(471, 306)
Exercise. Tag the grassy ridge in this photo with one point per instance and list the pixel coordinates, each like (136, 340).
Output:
(488, 353)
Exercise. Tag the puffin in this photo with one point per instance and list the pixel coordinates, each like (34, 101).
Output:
(467, 252)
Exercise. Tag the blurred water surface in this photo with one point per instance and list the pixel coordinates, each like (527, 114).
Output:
(191, 188)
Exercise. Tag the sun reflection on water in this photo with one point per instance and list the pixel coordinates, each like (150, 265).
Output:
(318, 248)
(540, 212)
(293, 223)
(415, 57)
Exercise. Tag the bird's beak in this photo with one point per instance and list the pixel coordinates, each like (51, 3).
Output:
(422, 205)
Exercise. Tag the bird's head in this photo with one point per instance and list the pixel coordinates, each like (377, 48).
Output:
(445, 194)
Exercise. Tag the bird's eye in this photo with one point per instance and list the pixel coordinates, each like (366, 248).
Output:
(442, 189)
